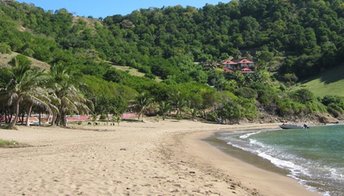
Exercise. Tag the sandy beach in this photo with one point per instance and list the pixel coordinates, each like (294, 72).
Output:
(150, 158)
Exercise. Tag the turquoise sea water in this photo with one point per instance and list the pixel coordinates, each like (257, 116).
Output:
(314, 157)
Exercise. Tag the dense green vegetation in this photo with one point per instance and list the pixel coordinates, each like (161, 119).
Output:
(289, 40)
(308, 34)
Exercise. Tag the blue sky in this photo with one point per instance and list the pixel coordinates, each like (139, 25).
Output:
(102, 8)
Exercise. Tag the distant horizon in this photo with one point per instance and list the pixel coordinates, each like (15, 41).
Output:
(103, 8)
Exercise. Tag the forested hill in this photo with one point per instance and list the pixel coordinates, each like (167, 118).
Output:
(290, 40)
(308, 35)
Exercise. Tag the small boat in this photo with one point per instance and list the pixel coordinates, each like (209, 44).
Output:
(294, 126)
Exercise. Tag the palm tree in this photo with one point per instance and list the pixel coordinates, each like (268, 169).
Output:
(23, 85)
(44, 99)
(142, 102)
(71, 100)
(164, 108)
(179, 103)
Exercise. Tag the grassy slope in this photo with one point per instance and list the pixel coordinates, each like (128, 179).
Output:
(133, 71)
(330, 82)
(6, 58)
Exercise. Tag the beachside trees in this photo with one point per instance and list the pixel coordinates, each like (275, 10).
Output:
(70, 97)
(108, 97)
(24, 84)
(55, 92)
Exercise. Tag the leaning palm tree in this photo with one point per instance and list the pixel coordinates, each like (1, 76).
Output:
(23, 85)
(70, 98)
(45, 99)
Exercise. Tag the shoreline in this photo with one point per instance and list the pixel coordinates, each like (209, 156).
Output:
(145, 158)
(243, 155)
(252, 177)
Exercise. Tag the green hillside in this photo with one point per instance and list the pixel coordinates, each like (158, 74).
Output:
(329, 83)
(156, 50)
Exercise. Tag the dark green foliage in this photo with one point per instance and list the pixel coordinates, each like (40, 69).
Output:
(289, 78)
(230, 111)
(335, 105)
(5, 77)
(113, 75)
(303, 96)
(108, 97)
(247, 92)
(327, 100)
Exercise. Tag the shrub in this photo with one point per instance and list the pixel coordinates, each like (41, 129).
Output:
(248, 108)
(150, 75)
(290, 78)
(230, 111)
(247, 92)
(335, 110)
(303, 95)
(5, 48)
(327, 100)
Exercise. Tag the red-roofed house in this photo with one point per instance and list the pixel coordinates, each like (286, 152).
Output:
(244, 65)
(246, 70)
(229, 65)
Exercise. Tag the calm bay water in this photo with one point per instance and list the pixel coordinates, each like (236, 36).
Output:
(315, 157)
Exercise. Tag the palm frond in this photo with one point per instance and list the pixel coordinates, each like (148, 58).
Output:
(69, 105)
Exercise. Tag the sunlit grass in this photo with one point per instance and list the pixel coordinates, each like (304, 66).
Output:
(133, 71)
(329, 83)
(10, 144)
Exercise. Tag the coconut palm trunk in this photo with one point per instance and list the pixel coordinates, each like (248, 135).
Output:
(141, 113)
(29, 115)
(63, 121)
(17, 107)
(22, 118)
(53, 120)
(39, 118)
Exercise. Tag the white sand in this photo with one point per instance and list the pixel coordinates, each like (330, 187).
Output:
(133, 159)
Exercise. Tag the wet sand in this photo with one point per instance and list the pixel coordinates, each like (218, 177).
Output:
(244, 155)
(151, 158)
